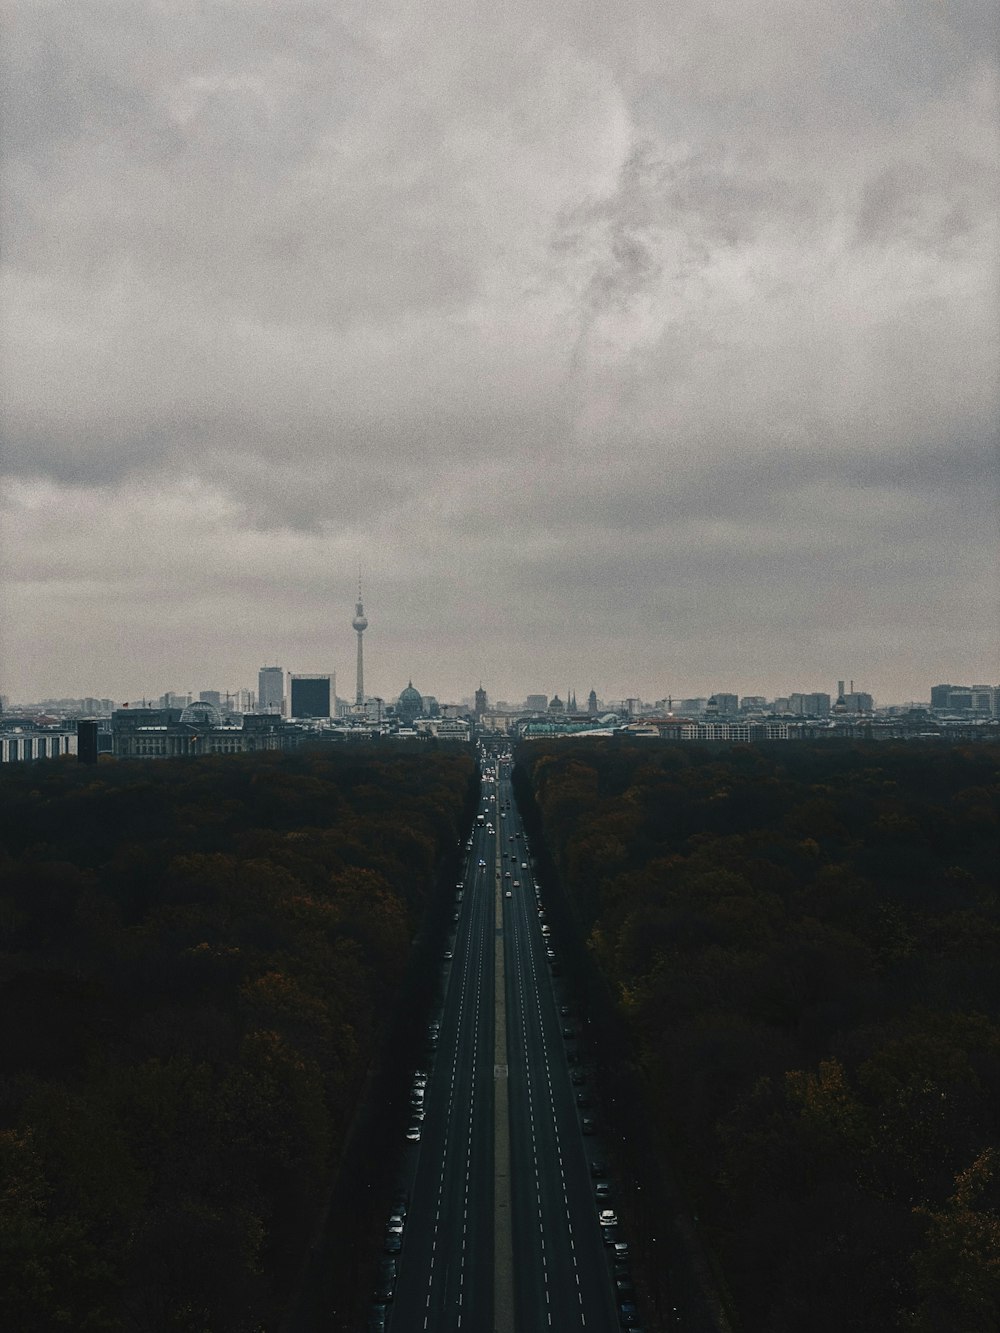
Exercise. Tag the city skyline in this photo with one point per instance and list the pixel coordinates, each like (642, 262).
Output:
(275, 692)
(650, 349)
(690, 689)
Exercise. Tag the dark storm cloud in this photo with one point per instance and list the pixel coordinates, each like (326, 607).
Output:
(667, 326)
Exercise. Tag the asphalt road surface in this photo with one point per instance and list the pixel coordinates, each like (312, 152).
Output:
(502, 1230)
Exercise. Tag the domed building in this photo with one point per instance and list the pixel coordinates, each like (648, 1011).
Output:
(409, 706)
(201, 714)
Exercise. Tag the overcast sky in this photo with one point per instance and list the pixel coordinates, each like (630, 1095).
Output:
(650, 346)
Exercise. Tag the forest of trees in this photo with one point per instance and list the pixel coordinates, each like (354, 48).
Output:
(196, 964)
(802, 943)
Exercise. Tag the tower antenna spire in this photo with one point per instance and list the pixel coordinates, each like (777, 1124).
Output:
(360, 624)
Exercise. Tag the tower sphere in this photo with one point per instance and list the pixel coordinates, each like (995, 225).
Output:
(360, 621)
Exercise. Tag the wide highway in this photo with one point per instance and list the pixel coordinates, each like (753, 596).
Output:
(501, 1230)
(562, 1272)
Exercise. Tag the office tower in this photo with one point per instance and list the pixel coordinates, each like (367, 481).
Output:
(213, 697)
(310, 696)
(939, 695)
(360, 623)
(270, 689)
(86, 742)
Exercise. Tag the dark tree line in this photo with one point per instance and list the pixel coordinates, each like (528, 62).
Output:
(803, 943)
(196, 964)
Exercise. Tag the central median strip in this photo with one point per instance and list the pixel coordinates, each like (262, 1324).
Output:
(503, 1246)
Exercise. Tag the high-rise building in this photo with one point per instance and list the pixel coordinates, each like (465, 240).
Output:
(939, 695)
(480, 701)
(213, 697)
(310, 696)
(592, 703)
(537, 703)
(86, 742)
(270, 689)
(360, 624)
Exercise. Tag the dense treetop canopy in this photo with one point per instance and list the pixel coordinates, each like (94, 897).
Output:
(802, 942)
(196, 962)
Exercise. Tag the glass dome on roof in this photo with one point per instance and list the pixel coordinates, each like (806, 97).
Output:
(202, 714)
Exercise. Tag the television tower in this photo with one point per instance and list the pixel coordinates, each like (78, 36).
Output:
(360, 623)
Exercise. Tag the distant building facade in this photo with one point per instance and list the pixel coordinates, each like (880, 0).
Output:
(271, 689)
(24, 741)
(961, 700)
(444, 728)
(310, 696)
(809, 705)
(171, 733)
(722, 705)
(409, 706)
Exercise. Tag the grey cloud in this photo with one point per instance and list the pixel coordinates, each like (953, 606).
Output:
(909, 204)
(663, 326)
